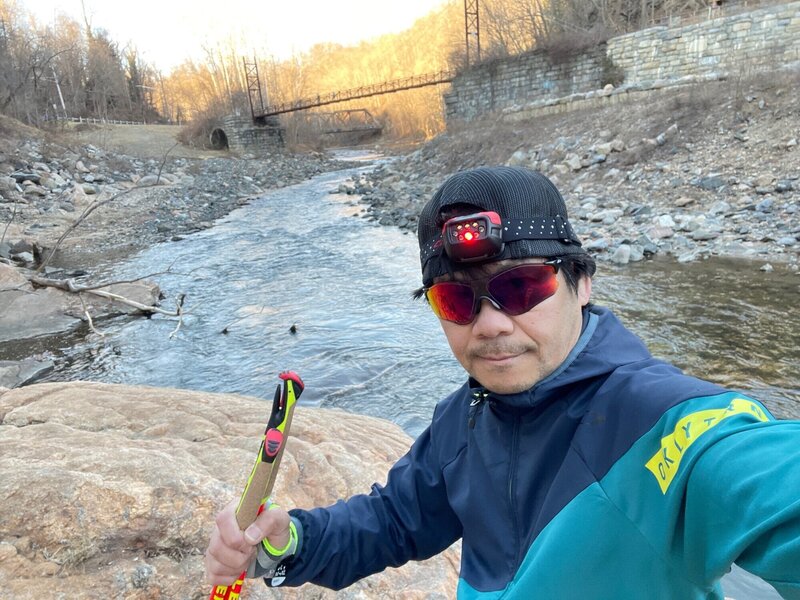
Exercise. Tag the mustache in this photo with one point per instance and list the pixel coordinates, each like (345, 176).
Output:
(498, 349)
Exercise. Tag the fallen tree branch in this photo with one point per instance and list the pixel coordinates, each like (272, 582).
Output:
(164, 161)
(87, 211)
(11, 220)
(97, 286)
(89, 317)
(133, 304)
(68, 285)
(179, 309)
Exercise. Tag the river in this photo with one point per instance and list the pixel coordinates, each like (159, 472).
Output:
(300, 257)
(296, 280)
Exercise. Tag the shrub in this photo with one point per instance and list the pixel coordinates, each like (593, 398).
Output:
(563, 45)
(197, 133)
(611, 72)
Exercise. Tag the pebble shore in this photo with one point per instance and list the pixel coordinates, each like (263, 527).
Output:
(710, 214)
(692, 173)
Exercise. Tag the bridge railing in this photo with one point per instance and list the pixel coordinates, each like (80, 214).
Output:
(386, 87)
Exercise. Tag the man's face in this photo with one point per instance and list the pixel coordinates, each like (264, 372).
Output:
(509, 354)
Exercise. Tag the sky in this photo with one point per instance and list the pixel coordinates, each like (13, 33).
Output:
(167, 32)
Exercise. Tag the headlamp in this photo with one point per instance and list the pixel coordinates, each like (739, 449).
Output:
(473, 237)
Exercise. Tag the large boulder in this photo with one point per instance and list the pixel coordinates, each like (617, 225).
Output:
(110, 491)
(27, 313)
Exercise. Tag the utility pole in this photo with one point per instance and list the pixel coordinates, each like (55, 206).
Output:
(60, 96)
(473, 31)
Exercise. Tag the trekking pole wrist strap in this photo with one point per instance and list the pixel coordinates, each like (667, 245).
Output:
(287, 550)
(268, 558)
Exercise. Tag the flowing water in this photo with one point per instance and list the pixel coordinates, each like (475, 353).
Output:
(301, 257)
(296, 280)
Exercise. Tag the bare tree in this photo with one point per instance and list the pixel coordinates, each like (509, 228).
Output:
(106, 86)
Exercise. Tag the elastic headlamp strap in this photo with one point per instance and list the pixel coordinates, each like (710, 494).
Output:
(539, 228)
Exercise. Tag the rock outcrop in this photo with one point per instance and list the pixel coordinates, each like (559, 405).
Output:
(110, 491)
(27, 311)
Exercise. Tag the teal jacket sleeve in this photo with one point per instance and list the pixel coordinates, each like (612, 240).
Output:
(742, 503)
(721, 484)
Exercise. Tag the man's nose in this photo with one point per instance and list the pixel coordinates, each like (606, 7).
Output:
(490, 320)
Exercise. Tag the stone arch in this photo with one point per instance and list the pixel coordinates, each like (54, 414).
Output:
(218, 139)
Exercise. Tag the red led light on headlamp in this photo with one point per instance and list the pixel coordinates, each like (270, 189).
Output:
(473, 237)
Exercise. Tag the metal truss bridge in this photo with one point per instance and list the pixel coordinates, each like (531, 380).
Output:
(345, 121)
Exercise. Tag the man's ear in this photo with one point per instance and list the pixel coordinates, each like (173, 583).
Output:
(584, 290)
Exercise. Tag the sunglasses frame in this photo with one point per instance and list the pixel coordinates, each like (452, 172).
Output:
(481, 292)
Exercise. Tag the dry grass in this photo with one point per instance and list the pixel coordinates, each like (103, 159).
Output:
(733, 103)
(197, 134)
(145, 141)
(564, 45)
(72, 553)
(11, 128)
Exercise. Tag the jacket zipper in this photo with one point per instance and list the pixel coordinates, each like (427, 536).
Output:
(511, 477)
(478, 398)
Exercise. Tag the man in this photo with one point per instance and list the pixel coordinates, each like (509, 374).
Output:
(572, 464)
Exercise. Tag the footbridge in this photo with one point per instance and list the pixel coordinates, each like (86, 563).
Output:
(261, 114)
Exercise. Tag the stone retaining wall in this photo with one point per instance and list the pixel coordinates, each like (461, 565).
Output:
(752, 41)
(746, 43)
(524, 78)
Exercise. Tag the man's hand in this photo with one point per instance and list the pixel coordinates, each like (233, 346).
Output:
(231, 551)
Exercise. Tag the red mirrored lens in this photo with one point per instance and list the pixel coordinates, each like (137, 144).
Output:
(452, 301)
(518, 290)
(515, 291)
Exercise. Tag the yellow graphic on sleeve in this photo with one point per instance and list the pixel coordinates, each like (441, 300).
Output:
(665, 463)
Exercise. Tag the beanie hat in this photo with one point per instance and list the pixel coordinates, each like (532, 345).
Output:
(533, 213)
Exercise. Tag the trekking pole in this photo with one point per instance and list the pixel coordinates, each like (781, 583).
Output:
(262, 477)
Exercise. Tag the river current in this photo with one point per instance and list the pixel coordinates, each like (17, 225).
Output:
(297, 280)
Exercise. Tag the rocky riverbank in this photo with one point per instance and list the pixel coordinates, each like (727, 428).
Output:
(46, 185)
(690, 173)
(687, 173)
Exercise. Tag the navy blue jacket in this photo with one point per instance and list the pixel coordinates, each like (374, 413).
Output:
(617, 476)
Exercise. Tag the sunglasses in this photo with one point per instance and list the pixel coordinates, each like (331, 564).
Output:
(514, 291)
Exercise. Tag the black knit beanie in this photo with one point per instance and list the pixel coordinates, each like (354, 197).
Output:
(533, 212)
